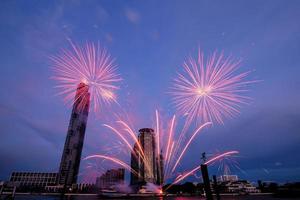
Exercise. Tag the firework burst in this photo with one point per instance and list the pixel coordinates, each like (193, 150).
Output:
(91, 65)
(211, 89)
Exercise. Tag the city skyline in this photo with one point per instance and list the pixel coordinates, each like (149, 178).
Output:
(149, 48)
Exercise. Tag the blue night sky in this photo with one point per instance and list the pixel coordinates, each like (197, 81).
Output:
(150, 40)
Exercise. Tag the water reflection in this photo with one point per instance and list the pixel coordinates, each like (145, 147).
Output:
(36, 197)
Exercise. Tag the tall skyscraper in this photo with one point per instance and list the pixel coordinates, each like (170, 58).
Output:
(150, 168)
(70, 161)
(135, 163)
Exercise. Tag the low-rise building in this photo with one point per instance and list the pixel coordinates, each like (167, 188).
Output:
(111, 178)
(33, 179)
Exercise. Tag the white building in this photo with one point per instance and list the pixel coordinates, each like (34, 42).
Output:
(225, 178)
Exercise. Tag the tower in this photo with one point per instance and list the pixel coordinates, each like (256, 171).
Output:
(150, 168)
(70, 160)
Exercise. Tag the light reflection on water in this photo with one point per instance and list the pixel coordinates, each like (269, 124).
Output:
(35, 197)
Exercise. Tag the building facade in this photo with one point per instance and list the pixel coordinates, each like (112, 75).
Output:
(147, 165)
(70, 161)
(239, 186)
(225, 178)
(232, 184)
(111, 178)
(33, 179)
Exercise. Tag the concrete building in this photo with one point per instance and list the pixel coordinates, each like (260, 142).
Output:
(33, 179)
(70, 161)
(111, 178)
(135, 163)
(239, 186)
(147, 164)
(224, 178)
(160, 169)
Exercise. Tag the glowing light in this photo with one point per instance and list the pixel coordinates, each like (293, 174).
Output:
(91, 65)
(210, 90)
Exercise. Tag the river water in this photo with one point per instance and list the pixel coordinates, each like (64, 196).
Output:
(256, 197)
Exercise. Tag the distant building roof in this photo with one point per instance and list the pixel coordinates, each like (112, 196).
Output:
(146, 130)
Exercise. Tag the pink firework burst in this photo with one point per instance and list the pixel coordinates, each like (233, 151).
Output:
(211, 89)
(89, 64)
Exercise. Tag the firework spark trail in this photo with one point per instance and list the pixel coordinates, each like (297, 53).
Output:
(116, 148)
(211, 90)
(168, 150)
(208, 91)
(91, 65)
(115, 160)
(134, 137)
(162, 134)
(220, 156)
(227, 164)
(171, 151)
(210, 161)
(207, 163)
(189, 142)
(224, 166)
(120, 135)
(172, 159)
